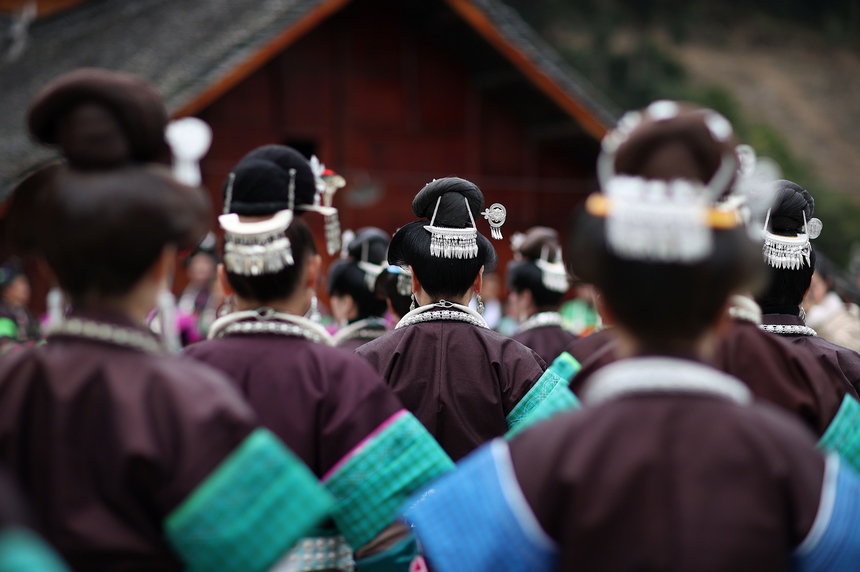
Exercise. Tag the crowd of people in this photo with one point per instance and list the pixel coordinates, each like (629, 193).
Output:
(693, 407)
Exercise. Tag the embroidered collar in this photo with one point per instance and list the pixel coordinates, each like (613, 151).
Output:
(367, 329)
(268, 321)
(540, 320)
(786, 325)
(662, 375)
(788, 330)
(442, 310)
(128, 337)
(744, 308)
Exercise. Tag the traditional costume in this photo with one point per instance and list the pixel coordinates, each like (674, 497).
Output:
(460, 379)
(132, 459)
(329, 406)
(790, 259)
(537, 282)
(352, 281)
(670, 465)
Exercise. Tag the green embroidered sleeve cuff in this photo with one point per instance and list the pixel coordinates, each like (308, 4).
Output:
(250, 511)
(556, 377)
(23, 551)
(843, 434)
(373, 481)
(8, 328)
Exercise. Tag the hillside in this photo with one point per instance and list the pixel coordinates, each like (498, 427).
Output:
(809, 94)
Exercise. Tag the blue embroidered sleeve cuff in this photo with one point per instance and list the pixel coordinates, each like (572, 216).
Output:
(833, 542)
(477, 519)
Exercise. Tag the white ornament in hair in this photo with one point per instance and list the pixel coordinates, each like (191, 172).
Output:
(790, 252)
(553, 274)
(496, 216)
(255, 248)
(663, 221)
(326, 186)
(453, 242)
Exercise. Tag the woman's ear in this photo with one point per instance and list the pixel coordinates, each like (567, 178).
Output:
(479, 281)
(221, 271)
(163, 267)
(416, 285)
(312, 271)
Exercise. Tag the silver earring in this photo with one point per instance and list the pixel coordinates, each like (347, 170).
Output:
(313, 312)
(414, 303)
(480, 305)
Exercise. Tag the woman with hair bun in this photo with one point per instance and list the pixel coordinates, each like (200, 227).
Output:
(132, 458)
(537, 283)
(461, 379)
(790, 261)
(327, 405)
(355, 304)
(670, 464)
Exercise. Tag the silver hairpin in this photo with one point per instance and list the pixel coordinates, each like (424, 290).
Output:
(228, 201)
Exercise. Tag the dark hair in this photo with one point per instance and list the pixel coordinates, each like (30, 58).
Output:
(662, 303)
(347, 279)
(787, 287)
(443, 277)
(267, 287)
(260, 181)
(666, 304)
(526, 275)
(386, 288)
(101, 119)
(101, 231)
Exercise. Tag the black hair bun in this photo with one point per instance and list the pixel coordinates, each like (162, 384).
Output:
(791, 203)
(373, 241)
(101, 119)
(452, 212)
(538, 238)
(261, 181)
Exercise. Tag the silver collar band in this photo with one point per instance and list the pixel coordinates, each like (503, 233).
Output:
(540, 320)
(269, 321)
(442, 310)
(662, 375)
(108, 333)
(368, 329)
(788, 330)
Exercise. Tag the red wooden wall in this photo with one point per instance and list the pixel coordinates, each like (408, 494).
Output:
(390, 110)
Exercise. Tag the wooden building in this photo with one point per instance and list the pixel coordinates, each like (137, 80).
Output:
(390, 93)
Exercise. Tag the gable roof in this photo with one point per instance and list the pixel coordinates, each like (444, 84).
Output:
(194, 51)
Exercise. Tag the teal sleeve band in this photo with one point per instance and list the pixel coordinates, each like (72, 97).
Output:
(402, 557)
(23, 551)
(553, 385)
(8, 328)
(843, 434)
(374, 480)
(250, 511)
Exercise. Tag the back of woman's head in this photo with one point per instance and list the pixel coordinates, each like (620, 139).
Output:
(538, 267)
(101, 219)
(267, 180)
(449, 203)
(792, 209)
(664, 260)
(103, 230)
(268, 287)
